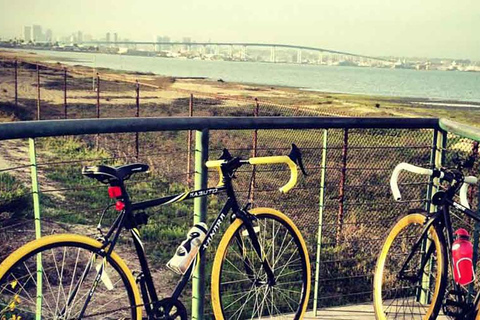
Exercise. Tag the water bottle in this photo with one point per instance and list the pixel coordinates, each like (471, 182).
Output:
(187, 250)
(462, 254)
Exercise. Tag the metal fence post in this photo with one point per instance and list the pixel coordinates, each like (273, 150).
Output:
(189, 142)
(433, 156)
(65, 93)
(476, 236)
(38, 230)
(254, 154)
(436, 161)
(200, 214)
(476, 228)
(341, 187)
(320, 220)
(475, 156)
(97, 138)
(38, 93)
(137, 114)
(16, 83)
(98, 96)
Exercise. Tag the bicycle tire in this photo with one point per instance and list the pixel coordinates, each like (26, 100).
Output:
(408, 304)
(298, 280)
(18, 285)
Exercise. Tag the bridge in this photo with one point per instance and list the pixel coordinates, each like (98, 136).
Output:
(347, 56)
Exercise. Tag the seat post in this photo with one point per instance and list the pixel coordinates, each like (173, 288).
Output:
(129, 220)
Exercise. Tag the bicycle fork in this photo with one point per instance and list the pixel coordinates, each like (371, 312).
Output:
(260, 254)
(425, 258)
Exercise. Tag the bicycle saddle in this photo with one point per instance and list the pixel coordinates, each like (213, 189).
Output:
(107, 174)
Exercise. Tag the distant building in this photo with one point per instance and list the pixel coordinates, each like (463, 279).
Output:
(49, 35)
(107, 37)
(115, 37)
(157, 46)
(186, 40)
(27, 33)
(37, 33)
(79, 36)
(161, 39)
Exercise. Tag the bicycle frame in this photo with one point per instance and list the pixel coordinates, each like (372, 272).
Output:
(440, 218)
(127, 219)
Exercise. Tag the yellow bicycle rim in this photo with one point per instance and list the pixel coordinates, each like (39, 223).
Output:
(378, 278)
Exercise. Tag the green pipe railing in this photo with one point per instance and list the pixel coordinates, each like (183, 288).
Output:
(38, 227)
(460, 129)
(50, 128)
(436, 160)
(200, 215)
(320, 220)
(472, 133)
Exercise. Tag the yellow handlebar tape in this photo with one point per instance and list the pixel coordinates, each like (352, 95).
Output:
(280, 159)
(216, 164)
(263, 160)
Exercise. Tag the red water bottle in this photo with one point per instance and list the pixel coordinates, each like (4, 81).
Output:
(462, 253)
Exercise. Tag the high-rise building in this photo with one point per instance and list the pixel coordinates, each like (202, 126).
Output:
(157, 46)
(37, 33)
(115, 37)
(79, 36)
(107, 37)
(27, 33)
(186, 40)
(49, 35)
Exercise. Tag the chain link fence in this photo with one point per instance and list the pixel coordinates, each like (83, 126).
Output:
(344, 229)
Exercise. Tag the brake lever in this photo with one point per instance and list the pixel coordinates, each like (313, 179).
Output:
(296, 156)
(225, 155)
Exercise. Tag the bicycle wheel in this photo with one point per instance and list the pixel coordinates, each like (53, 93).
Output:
(240, 289)
(67, 266)
(418, 294)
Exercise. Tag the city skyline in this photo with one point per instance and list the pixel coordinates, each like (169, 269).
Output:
(432, 29)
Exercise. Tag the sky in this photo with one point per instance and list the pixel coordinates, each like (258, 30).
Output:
(402, 28)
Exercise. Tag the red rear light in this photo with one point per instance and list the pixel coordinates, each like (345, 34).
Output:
(119, 206)
(114, 192)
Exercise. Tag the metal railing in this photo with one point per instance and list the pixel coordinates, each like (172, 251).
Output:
(337, 242)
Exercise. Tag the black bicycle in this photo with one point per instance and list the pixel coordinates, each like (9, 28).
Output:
(413, 268)
(261, 268)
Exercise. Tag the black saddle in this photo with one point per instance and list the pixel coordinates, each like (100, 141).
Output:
(108, 175)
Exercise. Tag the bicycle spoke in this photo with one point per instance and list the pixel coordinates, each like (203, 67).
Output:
(66, 281)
